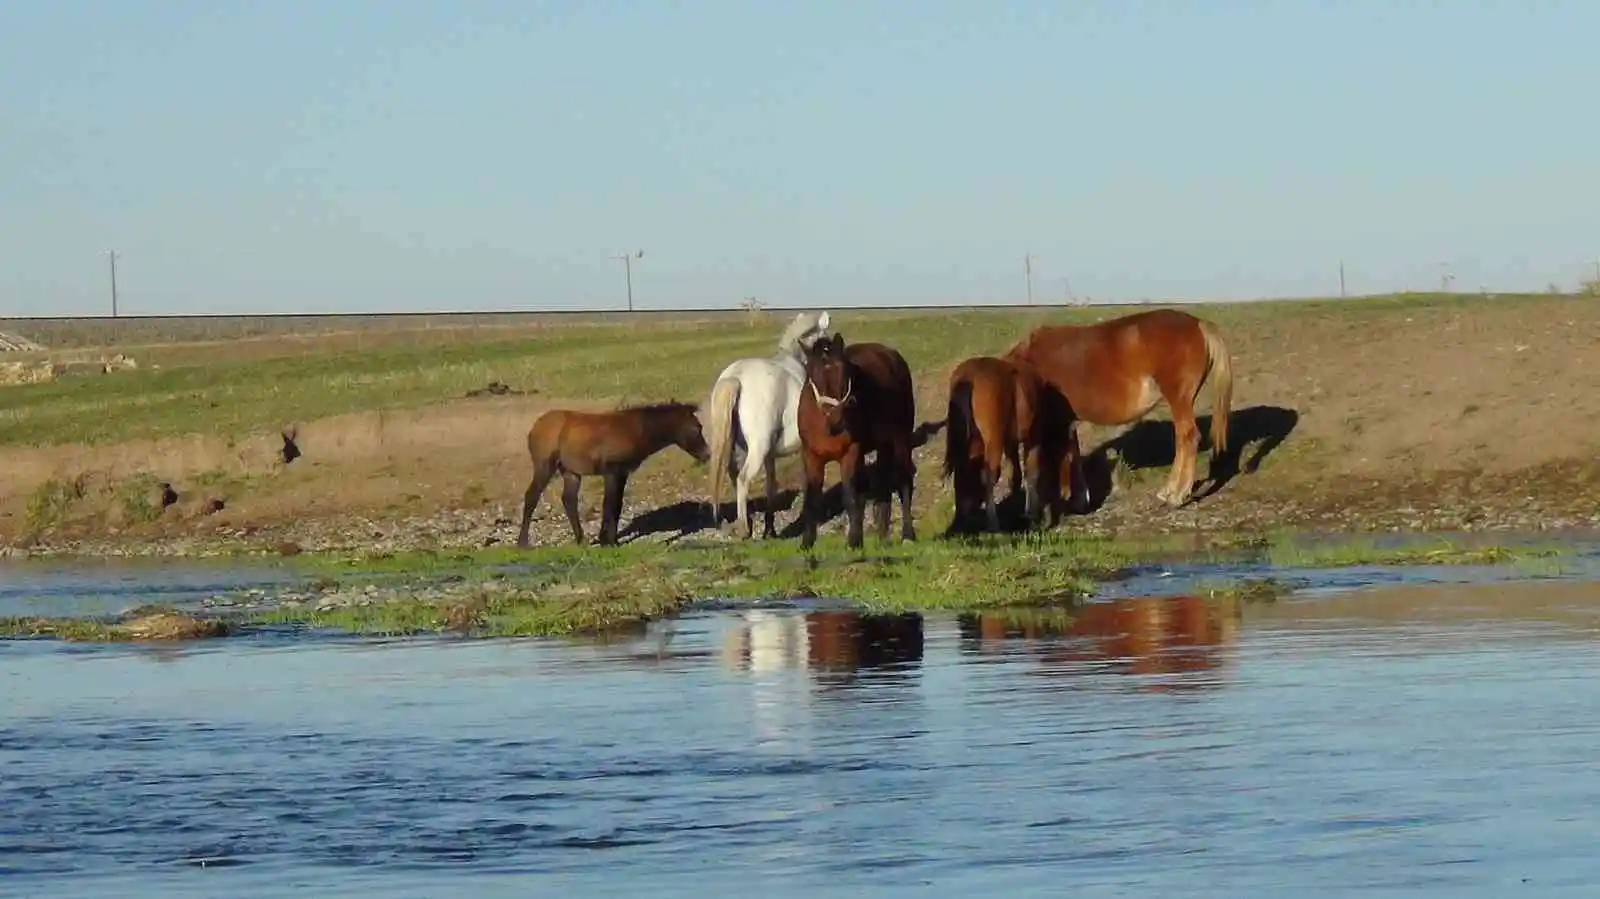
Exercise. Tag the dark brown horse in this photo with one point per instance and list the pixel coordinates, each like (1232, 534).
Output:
(1116, 371)
(992, 416)
(609, 444)
(857, 400)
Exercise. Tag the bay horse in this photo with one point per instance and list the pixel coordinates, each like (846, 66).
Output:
(1000, 411)
(754, 408)
(858, 400)
(1116, 371)
(611, 445)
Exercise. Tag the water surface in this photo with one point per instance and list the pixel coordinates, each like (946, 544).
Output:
(1436, 741)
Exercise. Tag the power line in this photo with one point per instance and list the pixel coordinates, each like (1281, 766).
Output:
(627, 266)
(112, 254)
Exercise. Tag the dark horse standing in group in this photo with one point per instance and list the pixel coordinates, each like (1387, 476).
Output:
(1116, 371)
(857, 400)
(999, 410)
(611, 445)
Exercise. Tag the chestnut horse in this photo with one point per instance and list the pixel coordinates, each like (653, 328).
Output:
(1116, 371)
(611, 445)
(995, 413)
(857, 400)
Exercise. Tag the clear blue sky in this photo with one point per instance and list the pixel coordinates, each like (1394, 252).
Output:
(345, 156)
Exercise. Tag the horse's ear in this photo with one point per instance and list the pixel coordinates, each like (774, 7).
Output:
(838, 341)
(822, 321)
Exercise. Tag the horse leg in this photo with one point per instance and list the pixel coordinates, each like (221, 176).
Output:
(542, 474)
(1027, 463)
(850, 477)
(757, 448)
(1077, 479)
(881, 489)
(1180, 481)
(769, 531)
(569, 500)
(993, 458)
(611, 507)
(811, 499)
(906, 468)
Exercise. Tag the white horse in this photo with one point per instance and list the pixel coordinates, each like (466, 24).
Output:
(755, 407)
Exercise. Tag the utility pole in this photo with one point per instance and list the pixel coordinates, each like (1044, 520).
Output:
(1342, 294)
(627, 266)
(1027, 268)
(112, 254)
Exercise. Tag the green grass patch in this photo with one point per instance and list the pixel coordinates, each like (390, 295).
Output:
(569, 589)
(1285, 554)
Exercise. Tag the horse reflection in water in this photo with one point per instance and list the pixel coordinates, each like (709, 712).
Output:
(845, 653)
(834, 645)
(1150, 635)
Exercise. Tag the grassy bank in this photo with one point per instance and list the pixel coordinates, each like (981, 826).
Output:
(571, 590)
(1375, 415)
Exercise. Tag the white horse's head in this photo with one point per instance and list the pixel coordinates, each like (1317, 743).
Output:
(803, 332)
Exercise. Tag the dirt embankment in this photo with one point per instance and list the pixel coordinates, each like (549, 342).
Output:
(1471, 416)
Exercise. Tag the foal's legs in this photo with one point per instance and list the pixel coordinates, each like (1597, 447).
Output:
(569, 499)
(542, 474)
(611, 507)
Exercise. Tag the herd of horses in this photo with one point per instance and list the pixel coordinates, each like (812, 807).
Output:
(838, 403)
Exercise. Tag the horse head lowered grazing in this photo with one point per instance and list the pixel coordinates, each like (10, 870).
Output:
(753, 413)
(1116, 371)
(999, 410)
(611, 445)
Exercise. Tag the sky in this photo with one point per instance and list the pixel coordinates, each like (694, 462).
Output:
(255, 157)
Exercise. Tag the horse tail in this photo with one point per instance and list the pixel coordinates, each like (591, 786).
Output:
(1222, 385)
(719, 418)
(958, 425)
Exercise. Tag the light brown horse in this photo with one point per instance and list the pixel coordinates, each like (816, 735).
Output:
(855, 401)
(1116, 371)
(611, 445)
(993, 415)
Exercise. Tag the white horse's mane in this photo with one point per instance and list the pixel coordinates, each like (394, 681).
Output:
(802, 332)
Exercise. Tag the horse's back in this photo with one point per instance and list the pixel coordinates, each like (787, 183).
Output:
(889, 374)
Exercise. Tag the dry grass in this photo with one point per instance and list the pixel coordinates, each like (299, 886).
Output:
(1461, 395)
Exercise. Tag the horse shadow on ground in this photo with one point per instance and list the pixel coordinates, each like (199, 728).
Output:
(1153, 444)
(689, 517)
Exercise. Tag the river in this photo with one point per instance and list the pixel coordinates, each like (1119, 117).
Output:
(1435, 740)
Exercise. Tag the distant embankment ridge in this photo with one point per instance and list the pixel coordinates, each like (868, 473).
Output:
(67, 332)
(64, 332)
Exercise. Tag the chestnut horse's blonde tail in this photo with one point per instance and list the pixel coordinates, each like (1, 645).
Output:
(1221, 376)
(719, 422)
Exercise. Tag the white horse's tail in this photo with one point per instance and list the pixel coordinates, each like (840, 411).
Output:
(719, 421)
